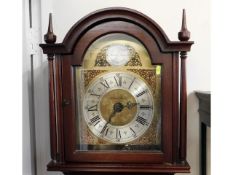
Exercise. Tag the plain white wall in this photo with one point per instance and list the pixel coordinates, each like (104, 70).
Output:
(168, 15)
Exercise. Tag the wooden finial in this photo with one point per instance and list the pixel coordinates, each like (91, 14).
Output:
(184, 34)
(49, 37)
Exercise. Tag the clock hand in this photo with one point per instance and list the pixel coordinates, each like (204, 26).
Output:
(117, 107)
(109, 120)
(110, 117)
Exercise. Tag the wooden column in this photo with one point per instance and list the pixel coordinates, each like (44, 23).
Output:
(50, 38)
(183, 35)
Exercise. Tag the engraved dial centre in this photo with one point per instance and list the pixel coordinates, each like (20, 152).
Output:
(118, 100)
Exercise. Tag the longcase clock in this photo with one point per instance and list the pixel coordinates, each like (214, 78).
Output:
(114, 96)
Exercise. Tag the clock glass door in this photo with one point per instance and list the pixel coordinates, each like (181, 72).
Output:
(118, 97)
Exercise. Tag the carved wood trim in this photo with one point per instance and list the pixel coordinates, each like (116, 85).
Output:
(86, 168)
(183, 35)
(54, 96)
(116, 14)
(183, 108)
(53, 133)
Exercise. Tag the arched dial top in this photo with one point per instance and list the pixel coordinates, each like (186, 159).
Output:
(118, 107)
(116, 50)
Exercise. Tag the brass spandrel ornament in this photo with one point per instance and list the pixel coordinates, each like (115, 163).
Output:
(89, 75)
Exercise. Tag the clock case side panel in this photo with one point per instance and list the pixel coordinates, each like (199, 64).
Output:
(56, 109)
(175, 108)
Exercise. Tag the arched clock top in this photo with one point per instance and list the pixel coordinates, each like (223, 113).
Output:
(116, 15)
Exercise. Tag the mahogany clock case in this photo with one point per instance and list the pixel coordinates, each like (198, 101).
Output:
(65, 57)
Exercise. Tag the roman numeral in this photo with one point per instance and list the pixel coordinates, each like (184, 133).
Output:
(141, 93)
(92, 108)
(131, 83)
(105, 128)
(147, 107)
(141, 120)
(95, 95)
(106, 131)
(95, 120)
(134, 133)
(118, 80)
(118, 134)
(105, 84)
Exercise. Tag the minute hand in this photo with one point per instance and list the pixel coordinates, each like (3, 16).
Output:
(109, 120)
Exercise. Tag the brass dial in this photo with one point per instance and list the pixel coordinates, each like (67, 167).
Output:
(118, 107)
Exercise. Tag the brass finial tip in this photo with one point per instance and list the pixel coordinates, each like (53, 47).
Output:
(184, 34)
(49, 37)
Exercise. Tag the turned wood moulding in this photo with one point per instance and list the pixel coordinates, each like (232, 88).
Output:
(63, 57)
(118, 14)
